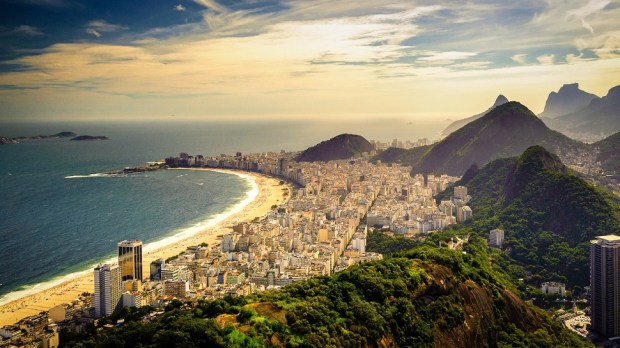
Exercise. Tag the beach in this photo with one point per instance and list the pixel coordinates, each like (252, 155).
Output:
(265, 193)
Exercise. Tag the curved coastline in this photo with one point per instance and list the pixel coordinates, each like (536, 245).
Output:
(263, 193)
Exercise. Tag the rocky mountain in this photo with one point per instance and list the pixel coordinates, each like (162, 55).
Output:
(460, 123)
(598, 119)
(548, 214)
(609, 153)
(505, 131)
(568, 99)
(425, 297)
(343, 146)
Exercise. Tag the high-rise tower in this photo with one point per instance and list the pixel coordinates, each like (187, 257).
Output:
(605, 285)
(130, 259)
(107, 289)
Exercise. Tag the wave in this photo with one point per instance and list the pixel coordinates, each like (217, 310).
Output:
(96, 175)
(181, 234)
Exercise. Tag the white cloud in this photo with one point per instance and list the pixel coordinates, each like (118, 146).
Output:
(592, 7)
(102, 26)
(546, 59)
(28, 30)
(212, 5)
(93, 32)
(520, 58)
(447, 56)
(179, 8)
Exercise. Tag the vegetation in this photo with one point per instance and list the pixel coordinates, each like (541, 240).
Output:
(343, 146)
(609, 155)
(378, 242)
(505, 131)
(548, 214)
(423, 297)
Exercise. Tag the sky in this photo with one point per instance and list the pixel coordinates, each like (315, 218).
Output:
(297, 59)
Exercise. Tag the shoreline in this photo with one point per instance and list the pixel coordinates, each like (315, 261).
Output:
(265, 192)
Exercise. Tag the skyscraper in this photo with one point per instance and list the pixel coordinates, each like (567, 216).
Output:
(130, 259)
(107, 289)
(605, 285)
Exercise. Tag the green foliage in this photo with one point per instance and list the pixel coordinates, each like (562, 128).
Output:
(548, 214)
(377, 242)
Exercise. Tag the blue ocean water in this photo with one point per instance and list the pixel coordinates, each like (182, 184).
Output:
(51, 225)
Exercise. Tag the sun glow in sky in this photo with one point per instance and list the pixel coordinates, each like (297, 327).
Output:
(298, 59)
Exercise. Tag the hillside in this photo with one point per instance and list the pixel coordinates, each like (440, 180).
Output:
(597, 120)
(506, 131)
(425, 297)
(460, 123)
(343, 146)
(568, 99)
(609, 153)
(548, 214)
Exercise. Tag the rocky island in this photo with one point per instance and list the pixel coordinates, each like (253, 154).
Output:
(89, 137)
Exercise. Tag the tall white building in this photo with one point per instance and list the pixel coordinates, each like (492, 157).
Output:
(108, 292)
(496, 238)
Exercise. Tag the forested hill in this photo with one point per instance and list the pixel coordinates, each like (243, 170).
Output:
(505, 131)
(343, 146)
(425, 297)
(548, 214)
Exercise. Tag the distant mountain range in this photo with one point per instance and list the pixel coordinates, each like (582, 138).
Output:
(460, 123)
(548, 214)
(505, 131)
(343, 146)
(567, 100)
(595, 120)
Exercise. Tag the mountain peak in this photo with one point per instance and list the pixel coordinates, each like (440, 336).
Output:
(499, 101)
(460, 123)
(569, 98)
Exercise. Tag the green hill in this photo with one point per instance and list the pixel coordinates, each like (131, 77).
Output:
(425, 297)
(609, 154)
(548, 214)
(343, 146)
(506, 131)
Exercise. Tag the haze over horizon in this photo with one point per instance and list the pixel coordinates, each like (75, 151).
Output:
(423, 60)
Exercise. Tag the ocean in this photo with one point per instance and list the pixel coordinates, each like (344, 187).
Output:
(56, 218)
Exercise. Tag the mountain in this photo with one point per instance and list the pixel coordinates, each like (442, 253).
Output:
(609, 153)
(505, 131)
(343, 146)
(597, 120)
(549, 215)
(460, 123)
(567, 100)
(424, 297)
(89, 137)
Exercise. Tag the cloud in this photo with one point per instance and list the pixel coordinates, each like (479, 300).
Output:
(593, 6)
(212, 5)
(28, 30)
(520, 58)
(179, 8)
(447, 56)
(546, 59)
(93, 32)
(104, 27)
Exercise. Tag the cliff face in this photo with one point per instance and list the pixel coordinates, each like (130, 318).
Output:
(596, 120)
(568, 99)
(343, 146)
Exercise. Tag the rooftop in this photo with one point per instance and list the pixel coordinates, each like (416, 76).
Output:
(608, 239)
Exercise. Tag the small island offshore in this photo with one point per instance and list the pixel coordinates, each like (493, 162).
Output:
(65, 134)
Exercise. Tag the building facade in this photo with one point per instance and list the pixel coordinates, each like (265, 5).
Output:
(130, 259)
(496, 238)
(605, 285)
(108, 292)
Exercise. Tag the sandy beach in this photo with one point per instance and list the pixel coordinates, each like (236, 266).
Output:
(270, 192)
